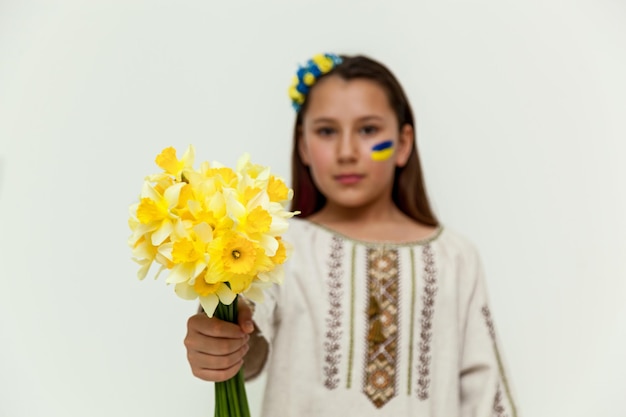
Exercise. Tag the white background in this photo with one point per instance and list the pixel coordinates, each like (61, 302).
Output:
(521, 114)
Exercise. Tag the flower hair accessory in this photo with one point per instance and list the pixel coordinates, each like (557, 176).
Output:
(308, 74)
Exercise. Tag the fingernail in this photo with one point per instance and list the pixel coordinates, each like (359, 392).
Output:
(249, 326)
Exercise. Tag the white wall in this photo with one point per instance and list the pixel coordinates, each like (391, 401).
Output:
(521, 109)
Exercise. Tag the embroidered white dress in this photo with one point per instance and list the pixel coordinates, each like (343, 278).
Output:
(380, 329)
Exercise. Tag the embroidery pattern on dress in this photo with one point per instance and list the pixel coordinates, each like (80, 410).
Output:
(498, 408)
(411, 325)
(381, 354)
(489, 321)
(332, 346)
(426, 321)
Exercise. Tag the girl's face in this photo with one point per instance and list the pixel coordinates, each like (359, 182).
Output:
(343, 124)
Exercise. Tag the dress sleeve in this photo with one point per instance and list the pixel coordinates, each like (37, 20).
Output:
(264, 317)
(266, 314)
(485, 389)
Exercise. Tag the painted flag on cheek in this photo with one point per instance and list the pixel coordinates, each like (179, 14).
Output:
(382, 151)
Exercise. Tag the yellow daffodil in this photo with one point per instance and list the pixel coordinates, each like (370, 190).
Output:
(281, 253)
(209, 294)
(225, 177)
(155, 211)
(188, 253)
(144, 254)
(255, 291)
(232, 254)
(257, 221)
(277, 274)
(237, 254)
(172, 165)
(234, 208)
(278, 190)
(251, 175)
(216, 230)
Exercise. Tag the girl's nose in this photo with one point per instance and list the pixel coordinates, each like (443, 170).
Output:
(348, 149)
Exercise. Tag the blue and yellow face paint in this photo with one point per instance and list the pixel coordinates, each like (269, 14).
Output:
(382, 151)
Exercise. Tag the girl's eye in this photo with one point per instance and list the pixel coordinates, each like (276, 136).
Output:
(325, 131)
(369, 130)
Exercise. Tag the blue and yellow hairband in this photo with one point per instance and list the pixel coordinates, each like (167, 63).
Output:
(308, 74)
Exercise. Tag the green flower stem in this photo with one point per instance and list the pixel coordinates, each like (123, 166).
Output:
(230, 395)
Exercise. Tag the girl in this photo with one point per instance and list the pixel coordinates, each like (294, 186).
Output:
(383, 311)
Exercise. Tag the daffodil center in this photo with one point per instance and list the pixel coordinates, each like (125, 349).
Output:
(236, 254)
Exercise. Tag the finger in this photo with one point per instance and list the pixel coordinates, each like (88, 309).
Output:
(245, 317)
(214, 327)
(217, 375)
(213, 362)
(214, 345)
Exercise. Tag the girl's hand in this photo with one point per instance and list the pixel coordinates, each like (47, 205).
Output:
(215, 348)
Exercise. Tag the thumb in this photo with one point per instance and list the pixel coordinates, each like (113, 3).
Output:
(245, 315)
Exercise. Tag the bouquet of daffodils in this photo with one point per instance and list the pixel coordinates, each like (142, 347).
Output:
(217, 231)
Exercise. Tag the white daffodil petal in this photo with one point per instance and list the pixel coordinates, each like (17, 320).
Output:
(143, 229)
(279, 226)
(255, 291)
(162, 232)
(145, 267)
(189, 156)
(209, 304)
(204, 232)
(225, 294)
(275, 276)
(264, 175)
(278, 210)
(217, 204)
(244, 182)
(158, 274)
(269, 244)
(198, 267)
(195, 178)
(180, 273)
(214, 274)
(261, 199)
(148, 191)
(234, 208)
(133, 239)
(185, 291)
(143, 251)
(288, 248)
(162, 259)
(278, 275)
(243, 161)
(154, 178)
(165, 250)
(179, 229)
(194, 207)
(255, 294)
(172, 193)
(132, 210)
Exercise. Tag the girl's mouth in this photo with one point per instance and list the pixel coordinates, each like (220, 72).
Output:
(347, 179)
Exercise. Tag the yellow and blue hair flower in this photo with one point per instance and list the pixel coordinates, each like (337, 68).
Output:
(308, 74)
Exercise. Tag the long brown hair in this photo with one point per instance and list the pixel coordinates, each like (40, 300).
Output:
(409, 190)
